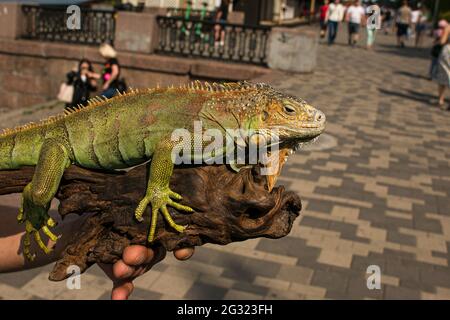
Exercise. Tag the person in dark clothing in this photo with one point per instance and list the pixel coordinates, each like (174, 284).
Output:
(221, 18)
(110, 73)
(83, 83)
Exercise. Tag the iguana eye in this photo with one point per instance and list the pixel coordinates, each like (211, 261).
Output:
(290, 110)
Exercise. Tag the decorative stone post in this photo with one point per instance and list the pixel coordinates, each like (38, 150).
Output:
(10, 20)
(136, 32)
(292, 49)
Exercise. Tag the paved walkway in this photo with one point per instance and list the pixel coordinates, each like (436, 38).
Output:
(375, 192)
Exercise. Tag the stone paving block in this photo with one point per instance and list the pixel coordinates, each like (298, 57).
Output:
(41, 287)
(20, 278)
(275, 294)
(241, 295)
(205, 291)
(335, 258)
(142, 294)
(295, 274)
(8, 292)
(333, 281)
(146, 281)
(401, 293)
(272, 283)
(172, 285)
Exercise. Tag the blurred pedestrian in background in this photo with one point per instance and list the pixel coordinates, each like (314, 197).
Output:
(437, 47)
(110, 73)
(371, 29)
(83, 82)
(386, 16)
(334, 16)
(403, 20)
(221, 18)
(415, 15)
(421, 25)
(322, 19)
(355, 17)
(442, 73)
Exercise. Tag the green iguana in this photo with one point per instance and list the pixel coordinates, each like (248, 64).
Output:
(134, 127)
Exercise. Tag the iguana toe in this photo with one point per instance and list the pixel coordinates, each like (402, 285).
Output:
(159, 200)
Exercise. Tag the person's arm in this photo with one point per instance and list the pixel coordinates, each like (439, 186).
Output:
(114, 75)
(70, 77)
(94, 75)
(136, 259)
(11, 255)
(92, 84)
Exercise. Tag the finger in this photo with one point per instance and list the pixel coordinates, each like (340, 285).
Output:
(122, 290)
(135, 255)
(183, 254)
(122, 271)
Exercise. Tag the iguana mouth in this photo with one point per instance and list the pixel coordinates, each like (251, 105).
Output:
(284, 152)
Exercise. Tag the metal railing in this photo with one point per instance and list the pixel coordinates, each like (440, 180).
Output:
(193, 13)
(199, 38)
(49, 23)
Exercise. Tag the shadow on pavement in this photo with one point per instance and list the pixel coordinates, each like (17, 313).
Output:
(426, 98)
(412, 75)
(410, 52)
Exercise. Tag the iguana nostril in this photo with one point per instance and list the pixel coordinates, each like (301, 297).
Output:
(319, 117)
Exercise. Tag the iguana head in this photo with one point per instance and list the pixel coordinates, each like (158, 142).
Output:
(271, 113)
(280, 119)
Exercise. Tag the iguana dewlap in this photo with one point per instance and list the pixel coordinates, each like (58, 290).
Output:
(138, 126)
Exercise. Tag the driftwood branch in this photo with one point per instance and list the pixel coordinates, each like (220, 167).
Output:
(228, 207)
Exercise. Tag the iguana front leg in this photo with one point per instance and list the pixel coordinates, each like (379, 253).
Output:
(38, 194)
(158, 193)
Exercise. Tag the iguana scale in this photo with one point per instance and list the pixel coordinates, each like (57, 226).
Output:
(133, 128)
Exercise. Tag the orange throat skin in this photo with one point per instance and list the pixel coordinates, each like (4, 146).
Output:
(282, 157)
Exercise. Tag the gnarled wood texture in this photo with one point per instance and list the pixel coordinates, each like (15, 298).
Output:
(228, 207)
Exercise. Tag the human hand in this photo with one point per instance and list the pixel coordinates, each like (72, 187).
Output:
(105, 86)
(136, 260)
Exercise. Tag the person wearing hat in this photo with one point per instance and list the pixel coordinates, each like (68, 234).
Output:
(111, 71)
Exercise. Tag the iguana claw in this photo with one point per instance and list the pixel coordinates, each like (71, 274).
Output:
(36, 218)
(31, 231)
(159, 200)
